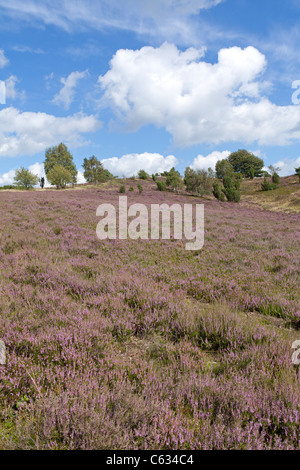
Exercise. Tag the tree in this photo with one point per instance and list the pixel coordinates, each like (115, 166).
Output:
(174, 179)
(198, 182)
(242, 161)
(94, 171)
(297, 170)
(42, 182)
(217, 191)
(143, 175)
(274, 169)
(59, 176)
(25, 178)
(231, 189)
(60, 155)
(275, 178)
(223, 168)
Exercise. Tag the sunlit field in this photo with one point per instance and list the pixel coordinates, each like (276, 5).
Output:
(141, 344)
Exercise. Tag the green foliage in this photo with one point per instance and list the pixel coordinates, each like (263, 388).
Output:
(231, 189)
(131, 188)
(217, 191)
(25, 178)
(275, 178)
(143, 175)
(154, 178)
(7, 186)
(60, 176)
(199, 182)
(140, 188)
(267, 186)
(224, 168)
(251, 173)
(161, 186)
(122, 189)
(94, 171)
(174, 179)
(297, 170)
(242, 161)
(60, 155)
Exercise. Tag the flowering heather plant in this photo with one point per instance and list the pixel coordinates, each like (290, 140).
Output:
(140, 344)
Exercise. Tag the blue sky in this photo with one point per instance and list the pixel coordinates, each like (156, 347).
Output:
(149, 84)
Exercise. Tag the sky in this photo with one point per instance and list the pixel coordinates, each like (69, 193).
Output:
(149, 84)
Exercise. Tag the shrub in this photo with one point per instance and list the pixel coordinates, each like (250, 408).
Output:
(217, 191)
(199, 182)
(161, 186)
(143, 175)
(122, 189)
(131, 188)
(140, 188)
(275, 178)
(174, 179)
(267, 186)
(231, 189)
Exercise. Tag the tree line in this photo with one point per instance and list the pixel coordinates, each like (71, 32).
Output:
(223, 182)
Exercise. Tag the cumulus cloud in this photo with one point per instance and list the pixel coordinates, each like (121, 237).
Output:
(168, 19)
(287, 166)
(27, 133)
(198, 101)
(130, 164)
(3, 60)
(7, 178)
(204, 163)
(66, 95)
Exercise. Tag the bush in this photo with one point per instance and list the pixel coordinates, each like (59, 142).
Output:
(217, 191)
(154, 178)
(122, 189)
(275, 178)
(131, 188)
(267, 186)
(198, 182)
(161, 186)
(140, 188)
(143, 175)
(231, 189)
(174, 179)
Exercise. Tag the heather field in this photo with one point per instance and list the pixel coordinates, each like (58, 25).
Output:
(142, 344)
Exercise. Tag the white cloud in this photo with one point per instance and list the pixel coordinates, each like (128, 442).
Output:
(3, 60)
(203, 163)
(23, 48)
(129, 165)
(10, 88)
(28, 133)
(287, 166)
(197, 101)
(168, 19)
(66, 95)
(7, 178)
